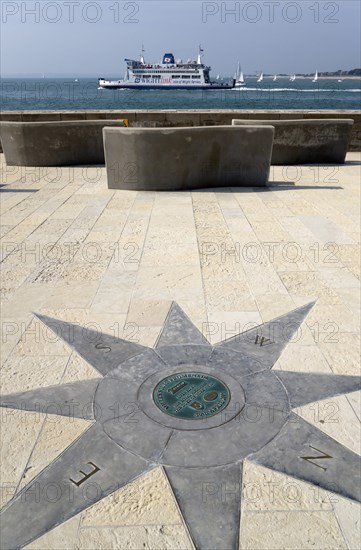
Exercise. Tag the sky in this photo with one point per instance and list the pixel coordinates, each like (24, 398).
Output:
(85, 38)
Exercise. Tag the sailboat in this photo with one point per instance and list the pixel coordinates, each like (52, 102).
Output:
(240, 82)
(316, 77)
(274, 78)
(218, 77)
(293, 78)
(260, 77)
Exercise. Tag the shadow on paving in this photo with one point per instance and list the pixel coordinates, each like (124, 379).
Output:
(17, 190)
(351, 163)
(275, 185)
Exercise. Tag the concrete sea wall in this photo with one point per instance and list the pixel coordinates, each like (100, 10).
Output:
(197, 117)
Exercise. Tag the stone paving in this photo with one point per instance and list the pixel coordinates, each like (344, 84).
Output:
(114, 261)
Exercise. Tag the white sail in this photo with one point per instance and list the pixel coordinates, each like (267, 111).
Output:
(260, 78)
(236, 76)
(240, 83)
(239, 78)
(275, 78)
(316, 77)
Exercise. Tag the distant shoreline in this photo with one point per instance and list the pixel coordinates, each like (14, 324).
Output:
(326, 77)
(309, 77)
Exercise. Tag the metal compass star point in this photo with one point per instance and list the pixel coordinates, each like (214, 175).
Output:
(194, 409)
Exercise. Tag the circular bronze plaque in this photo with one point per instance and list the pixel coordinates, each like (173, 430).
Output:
(191, 395)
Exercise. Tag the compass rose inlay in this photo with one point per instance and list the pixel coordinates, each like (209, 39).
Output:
(197, 410)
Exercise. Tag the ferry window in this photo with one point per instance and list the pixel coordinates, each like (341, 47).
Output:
(175, 76)
(185, 76)
(196, 77)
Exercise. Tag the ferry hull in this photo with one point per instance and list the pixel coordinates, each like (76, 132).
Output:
(163, 87)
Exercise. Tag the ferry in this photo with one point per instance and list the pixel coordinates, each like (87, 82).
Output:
(170, 74)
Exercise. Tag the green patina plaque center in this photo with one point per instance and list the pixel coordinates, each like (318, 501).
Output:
(191, 395)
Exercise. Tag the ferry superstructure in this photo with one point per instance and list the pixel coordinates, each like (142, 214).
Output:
(170, 74)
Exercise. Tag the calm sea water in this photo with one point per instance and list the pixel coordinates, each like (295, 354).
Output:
(65, 94)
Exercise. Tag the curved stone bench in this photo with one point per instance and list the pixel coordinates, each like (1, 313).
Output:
(307, 141)
(169, 159)
(58, 143)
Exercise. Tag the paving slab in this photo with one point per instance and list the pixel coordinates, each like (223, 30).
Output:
(242, 345)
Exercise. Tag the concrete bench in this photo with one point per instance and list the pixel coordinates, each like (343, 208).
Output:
(58, 143)
(307, 141)
(169, 159)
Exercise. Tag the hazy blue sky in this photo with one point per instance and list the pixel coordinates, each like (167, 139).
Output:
(93, 38)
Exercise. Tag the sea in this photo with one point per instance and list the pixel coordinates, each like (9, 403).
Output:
(83, 93)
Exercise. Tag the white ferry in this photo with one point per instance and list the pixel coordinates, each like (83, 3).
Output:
(140, 75)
